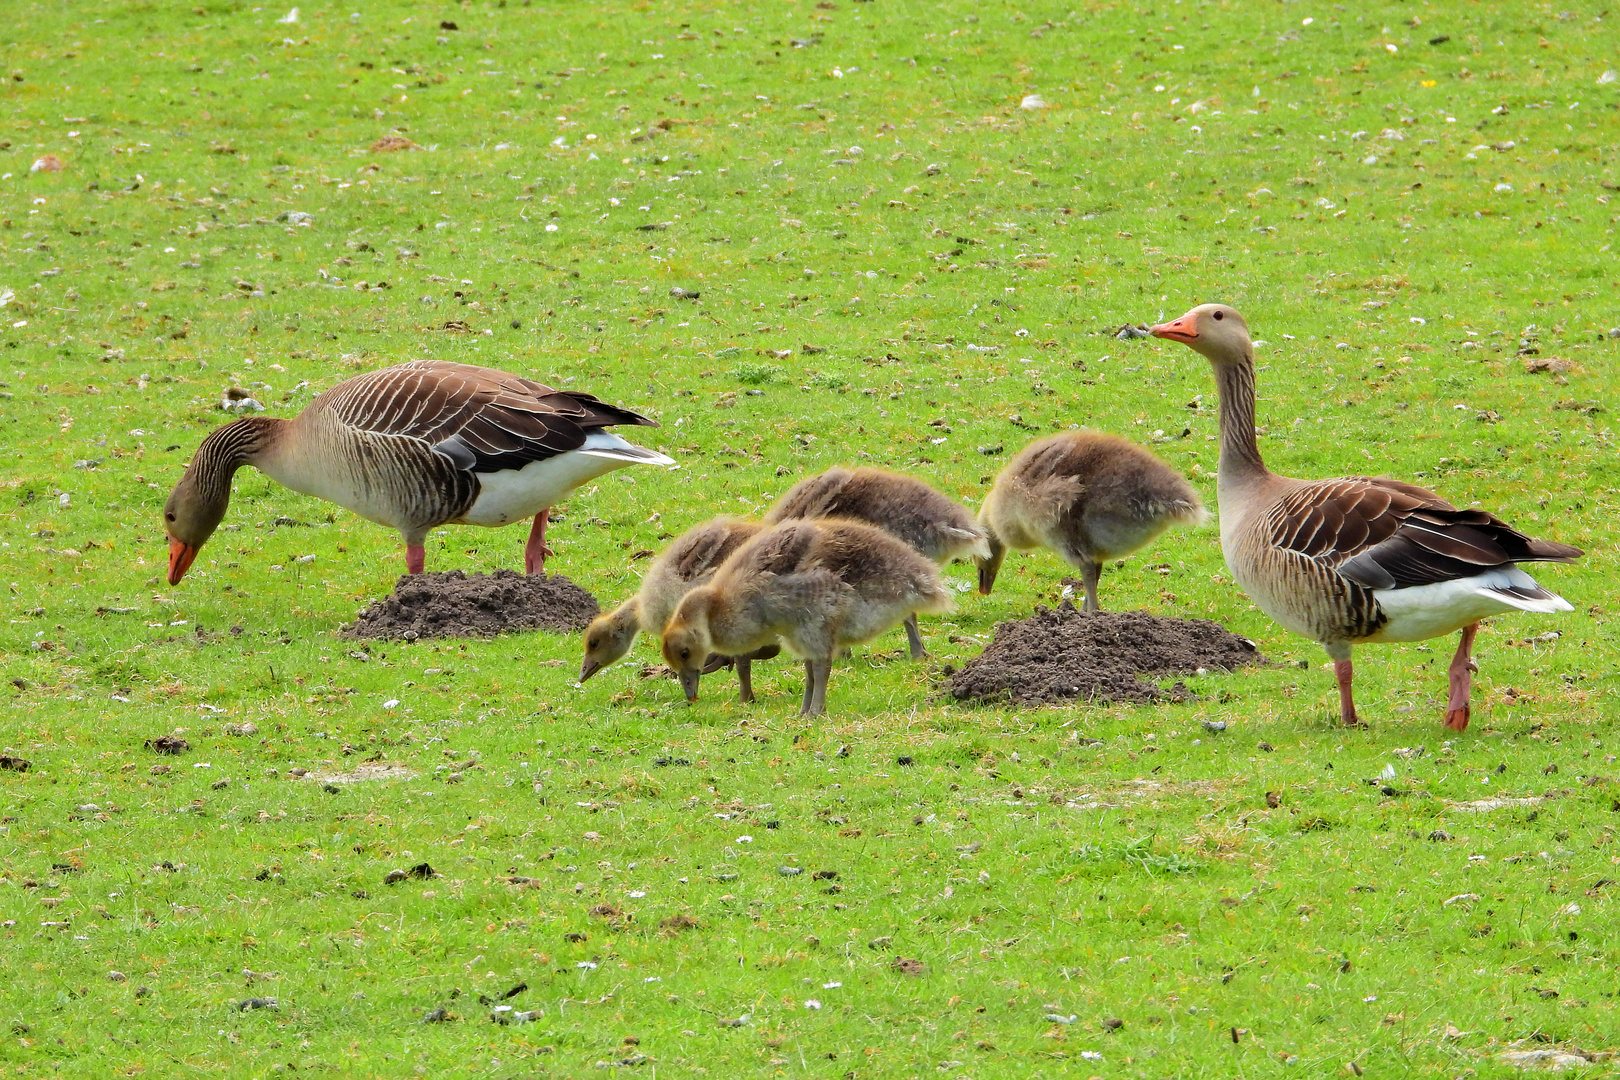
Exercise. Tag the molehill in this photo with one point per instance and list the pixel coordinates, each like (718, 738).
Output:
(1060, 654)
(455, 604)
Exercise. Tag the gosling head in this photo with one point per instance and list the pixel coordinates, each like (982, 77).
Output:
(989, 563)
(686, 641)
(1215, 330)
(608, 638)
(189, 520)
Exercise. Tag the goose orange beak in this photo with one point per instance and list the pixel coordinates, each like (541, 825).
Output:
(1184, 329)
(181, 556)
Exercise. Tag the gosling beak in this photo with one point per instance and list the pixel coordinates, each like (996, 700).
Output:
(1184, 329)
(181, 556)
(689, 682)
(591, 667)
(987, 578)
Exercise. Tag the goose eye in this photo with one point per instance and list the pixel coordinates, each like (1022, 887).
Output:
(168, 517)
(1219, 316)
(686, 654)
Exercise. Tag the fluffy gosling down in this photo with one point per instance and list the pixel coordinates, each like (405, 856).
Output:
(687, 563)
(1088, 496)
(936, 526)
(817, 586)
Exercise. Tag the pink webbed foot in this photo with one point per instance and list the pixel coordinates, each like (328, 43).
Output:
(1461, 677)
(415, 558)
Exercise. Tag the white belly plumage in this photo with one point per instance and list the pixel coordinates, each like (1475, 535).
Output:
(514, 494)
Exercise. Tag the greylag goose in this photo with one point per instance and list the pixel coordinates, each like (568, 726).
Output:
(1357, 559)
(412, 447)
(687, 563)
(1088, 496)
(937, 527)
(817, 586)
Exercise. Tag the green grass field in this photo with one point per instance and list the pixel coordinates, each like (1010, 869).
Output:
(896, 263)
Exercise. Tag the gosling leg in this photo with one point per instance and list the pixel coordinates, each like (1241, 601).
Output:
(914, 638)
(1089, 573)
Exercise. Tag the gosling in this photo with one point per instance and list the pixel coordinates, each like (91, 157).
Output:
(817, 586)
(936, 526)
(1088, 496)
(690, 561)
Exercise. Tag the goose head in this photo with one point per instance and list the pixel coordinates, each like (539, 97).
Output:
(1215, 330)
(190, 519)
(608, 638)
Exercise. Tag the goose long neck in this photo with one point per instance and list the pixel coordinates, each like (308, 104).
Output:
(1240, 451)
(228, 448)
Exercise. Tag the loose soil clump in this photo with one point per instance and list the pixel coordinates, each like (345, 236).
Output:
(451, 603)
(1060, 654)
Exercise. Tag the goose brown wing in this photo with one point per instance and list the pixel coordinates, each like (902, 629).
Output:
(1386, 534)
(480, 418)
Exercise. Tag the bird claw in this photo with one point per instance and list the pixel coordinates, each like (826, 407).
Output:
(1457, 719)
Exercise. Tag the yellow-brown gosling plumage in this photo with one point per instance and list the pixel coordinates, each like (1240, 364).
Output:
(688, 562)
(1088, 496)
(935, 525)
(817, 586)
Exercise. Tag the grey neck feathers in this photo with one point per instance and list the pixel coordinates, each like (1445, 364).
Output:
(1240, 453)
(227, 449)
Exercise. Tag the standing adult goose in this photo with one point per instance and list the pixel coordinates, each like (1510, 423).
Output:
(687, 563)
(1357, 559)
(415, 446)
(1088, 496)
(936, 527)
(817, 586)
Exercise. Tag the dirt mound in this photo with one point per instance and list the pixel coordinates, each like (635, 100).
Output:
(1059, 654)
(454, 604)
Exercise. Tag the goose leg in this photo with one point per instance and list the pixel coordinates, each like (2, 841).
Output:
(1347, 706)
(1089, 573)
(914, 637)
(1462, 679)
(745, 680)
(536, 550)
(415, 558)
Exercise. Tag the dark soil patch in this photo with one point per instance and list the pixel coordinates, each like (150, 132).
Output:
(451, 603)
(1061, 654)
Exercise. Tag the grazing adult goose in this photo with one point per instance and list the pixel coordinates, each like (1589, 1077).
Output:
(1358, 559)
(687, 563)
(937, 527)
(817, 586)
(1088, 496)
(412, 447)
